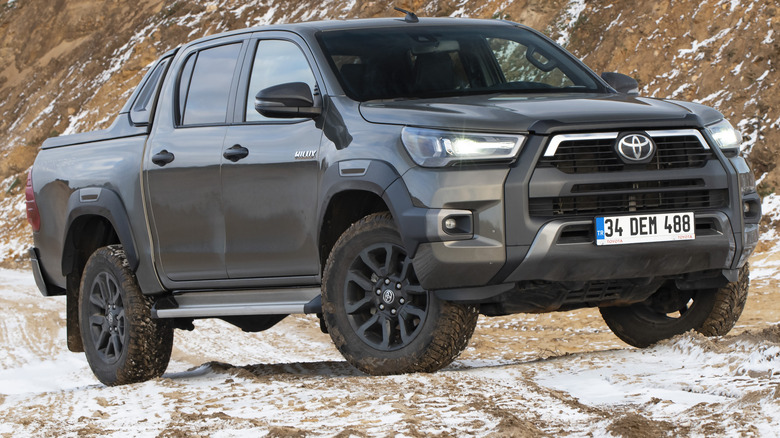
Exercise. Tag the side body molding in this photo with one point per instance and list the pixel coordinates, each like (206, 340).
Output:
(95, 201)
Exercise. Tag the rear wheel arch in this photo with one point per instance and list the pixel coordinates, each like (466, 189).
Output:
(90, 225)
(97, 218)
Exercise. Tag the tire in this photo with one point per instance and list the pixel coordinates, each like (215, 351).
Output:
(670, 312)
(122, 342)
(402, 328)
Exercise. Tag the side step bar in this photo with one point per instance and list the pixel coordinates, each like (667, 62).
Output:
(209, 304)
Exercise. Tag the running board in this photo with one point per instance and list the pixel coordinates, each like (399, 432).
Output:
(209, 304)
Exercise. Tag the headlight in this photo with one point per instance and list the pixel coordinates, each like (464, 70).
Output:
(725, 136)
(435, 148)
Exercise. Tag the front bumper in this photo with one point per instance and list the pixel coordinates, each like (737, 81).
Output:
(512, 243)
(566, 251)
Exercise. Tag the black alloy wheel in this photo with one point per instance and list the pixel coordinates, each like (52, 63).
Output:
(107, 323)
(377, 313)
(122, 342)
(385, 304)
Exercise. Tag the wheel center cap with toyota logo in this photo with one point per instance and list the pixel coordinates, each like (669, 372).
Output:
(635, 148)
(388, 297)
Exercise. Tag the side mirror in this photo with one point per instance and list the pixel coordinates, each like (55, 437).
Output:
(289, 100)
(621, 83)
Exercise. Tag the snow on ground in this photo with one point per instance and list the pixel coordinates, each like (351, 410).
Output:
(525, 375)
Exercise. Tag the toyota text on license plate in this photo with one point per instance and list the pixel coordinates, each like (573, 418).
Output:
(642, 228)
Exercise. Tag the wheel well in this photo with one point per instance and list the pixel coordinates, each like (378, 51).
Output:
(345, 209)
(85, 235)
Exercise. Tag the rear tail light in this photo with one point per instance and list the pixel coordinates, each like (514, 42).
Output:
(33, 217)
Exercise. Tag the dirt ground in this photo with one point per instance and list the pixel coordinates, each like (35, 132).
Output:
(522, 375)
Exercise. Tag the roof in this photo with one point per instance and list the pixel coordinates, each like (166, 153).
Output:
(311, 27)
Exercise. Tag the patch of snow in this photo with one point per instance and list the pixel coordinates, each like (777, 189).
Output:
(768, 39)
(266, 18)
(750, 129)
(675, 377)
(570, 16)
(710, 97)
(680, 89)
(696, 45)
(770, 207)
(614, 22)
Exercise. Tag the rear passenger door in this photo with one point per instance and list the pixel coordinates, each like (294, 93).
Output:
(184, 154)
(269, 195)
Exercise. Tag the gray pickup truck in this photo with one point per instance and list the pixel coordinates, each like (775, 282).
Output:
(395, 177)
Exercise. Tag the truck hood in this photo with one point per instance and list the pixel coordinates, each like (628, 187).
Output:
(541, 114)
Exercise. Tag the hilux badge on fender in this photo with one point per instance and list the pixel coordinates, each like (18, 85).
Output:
(635, 148)
(305, 155)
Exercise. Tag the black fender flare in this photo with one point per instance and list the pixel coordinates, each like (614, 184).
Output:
(105, 203)
(372, 176)
(381, 179)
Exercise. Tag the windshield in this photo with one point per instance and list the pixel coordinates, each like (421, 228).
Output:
(418, 61)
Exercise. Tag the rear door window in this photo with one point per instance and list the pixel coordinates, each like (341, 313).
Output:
(204, 96)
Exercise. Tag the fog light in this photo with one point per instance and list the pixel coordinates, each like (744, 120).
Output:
(746, 207)
(451, 223)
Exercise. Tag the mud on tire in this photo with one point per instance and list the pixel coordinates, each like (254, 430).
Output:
(670, 312)
(122, 342)
(376, 312)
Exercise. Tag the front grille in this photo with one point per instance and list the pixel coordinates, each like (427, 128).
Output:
(598, 155)
(606, 204)
(642, 185)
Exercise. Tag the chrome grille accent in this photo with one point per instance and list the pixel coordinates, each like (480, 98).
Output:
(590, 153)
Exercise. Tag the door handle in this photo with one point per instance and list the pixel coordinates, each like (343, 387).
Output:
(236, 152)
(162, 158)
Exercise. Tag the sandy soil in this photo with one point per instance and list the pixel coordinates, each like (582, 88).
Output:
(523, 375)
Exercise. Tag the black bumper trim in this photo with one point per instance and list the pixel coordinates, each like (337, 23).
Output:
(47, 290)
(550, 259)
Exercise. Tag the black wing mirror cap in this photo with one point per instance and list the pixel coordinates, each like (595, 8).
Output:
(621, 83)
(289, 100)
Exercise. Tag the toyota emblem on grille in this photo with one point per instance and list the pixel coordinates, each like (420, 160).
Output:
(635, 148)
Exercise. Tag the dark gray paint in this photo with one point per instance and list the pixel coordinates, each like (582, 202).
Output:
(185, 203)
(255, 223)
(269, 200)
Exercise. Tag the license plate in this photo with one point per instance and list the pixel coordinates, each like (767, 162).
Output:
(642, 228)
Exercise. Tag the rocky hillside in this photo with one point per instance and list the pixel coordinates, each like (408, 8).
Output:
(68, 66)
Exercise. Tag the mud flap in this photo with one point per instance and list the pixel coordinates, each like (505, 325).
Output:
(75, 344)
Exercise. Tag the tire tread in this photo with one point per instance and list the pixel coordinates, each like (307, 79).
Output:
(150, 343)
(454, 329)
(725, 307)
